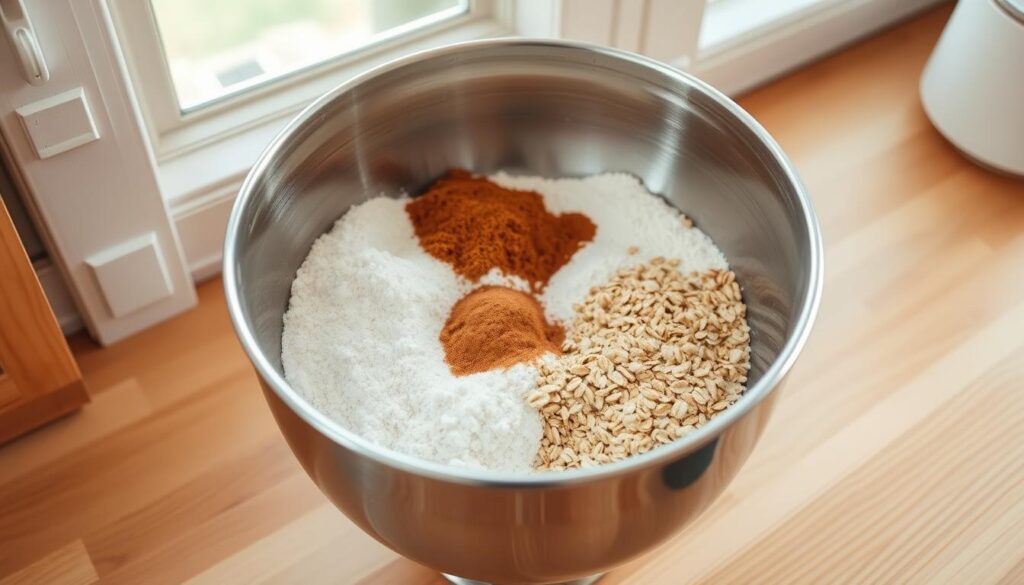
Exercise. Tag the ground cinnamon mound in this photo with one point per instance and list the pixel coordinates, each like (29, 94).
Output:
(497, 327)
(476, 225)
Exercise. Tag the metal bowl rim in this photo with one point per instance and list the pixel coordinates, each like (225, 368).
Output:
(501, 479)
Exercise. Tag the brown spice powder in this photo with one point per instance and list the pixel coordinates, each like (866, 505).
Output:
(476, 225)
(497, 327)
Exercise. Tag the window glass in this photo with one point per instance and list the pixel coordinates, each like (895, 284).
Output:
(218, 47)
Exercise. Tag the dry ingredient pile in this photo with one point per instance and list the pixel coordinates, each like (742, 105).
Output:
(478, 226)
(517, 323)
(653, 355)
(497, 327)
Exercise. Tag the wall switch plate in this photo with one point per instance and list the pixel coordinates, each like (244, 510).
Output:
(132, 274)
(58, 123)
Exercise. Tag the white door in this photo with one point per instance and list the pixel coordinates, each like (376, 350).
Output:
(76, 143)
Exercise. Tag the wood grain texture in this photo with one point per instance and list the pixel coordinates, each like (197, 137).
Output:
(68, 565)
(39, 380)
(895, 454)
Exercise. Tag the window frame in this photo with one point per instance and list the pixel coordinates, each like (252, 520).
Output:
(175, 132)
(251, 90)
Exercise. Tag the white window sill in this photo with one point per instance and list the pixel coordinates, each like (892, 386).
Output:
(207, 156)
(202, 171)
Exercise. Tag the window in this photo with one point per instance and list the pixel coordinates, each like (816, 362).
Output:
(217, 79)
(238, 44)
(208, 71)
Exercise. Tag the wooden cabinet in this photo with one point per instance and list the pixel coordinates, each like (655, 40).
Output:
(39, 380)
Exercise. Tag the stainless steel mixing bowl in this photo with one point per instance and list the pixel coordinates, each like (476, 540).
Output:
(544, 108)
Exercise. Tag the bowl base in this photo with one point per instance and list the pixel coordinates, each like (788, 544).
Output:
(464, 581)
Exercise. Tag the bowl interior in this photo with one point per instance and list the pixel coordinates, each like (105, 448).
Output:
(535, 108)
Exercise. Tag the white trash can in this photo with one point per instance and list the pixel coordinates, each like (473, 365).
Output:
(973, 85)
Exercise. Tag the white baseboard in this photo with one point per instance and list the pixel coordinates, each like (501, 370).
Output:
(742, 63)
(201, 222)
(57, 293)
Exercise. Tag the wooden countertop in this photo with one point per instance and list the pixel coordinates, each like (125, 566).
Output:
(895, 454)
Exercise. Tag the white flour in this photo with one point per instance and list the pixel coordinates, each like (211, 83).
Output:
(360, 338)
(625, 215)
(361, 344)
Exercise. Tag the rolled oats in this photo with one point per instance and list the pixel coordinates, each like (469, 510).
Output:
(651, 356)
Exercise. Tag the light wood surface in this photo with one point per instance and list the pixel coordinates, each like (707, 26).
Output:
(39, 380)
(896, 453)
